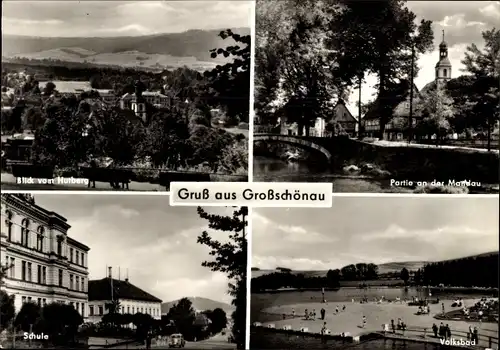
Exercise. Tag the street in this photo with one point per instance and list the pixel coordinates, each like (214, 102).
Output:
(216, 342)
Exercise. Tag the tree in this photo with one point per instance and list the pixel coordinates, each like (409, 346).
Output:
(183, 316)
(230, 83)
(61, 140)
(437, 108)
(218, 318)
(27, 316)
(60, 322)
(405, 275)
(485, 66)
(49, 88)
(230, 257)
(378, 37)
(7, 308)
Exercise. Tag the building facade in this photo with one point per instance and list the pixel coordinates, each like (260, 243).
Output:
(339, 114)
(129, 298)
(44, 264)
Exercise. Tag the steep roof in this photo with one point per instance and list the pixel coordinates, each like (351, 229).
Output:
(101, 290)
(444, 62)
(399, 94)
(68, 86)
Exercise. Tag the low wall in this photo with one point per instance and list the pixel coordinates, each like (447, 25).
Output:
(270, 338)
(421, 164)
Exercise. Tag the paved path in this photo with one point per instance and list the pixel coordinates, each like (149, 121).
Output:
(350, 320)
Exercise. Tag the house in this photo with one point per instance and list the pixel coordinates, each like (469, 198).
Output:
(107, 96)
(339, 114)
(130, 298)
(45, 265)
(396, 127)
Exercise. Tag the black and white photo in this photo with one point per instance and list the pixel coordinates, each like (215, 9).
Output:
(124, 95)
(376, 273)
(380, 96)
(92, 271)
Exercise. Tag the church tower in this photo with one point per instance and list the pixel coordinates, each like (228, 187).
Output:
(443, 67)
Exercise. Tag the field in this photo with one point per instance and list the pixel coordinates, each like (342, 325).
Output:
(161, 51)
(126, 59)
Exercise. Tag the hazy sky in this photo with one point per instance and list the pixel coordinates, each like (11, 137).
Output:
(463, 22)
(155, 242)
(120, 18)
(377, 230)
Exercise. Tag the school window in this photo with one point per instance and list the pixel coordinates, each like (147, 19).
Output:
(77, 284)
(29, 273)
(29, 299)
(60, 278)
(12, 270)
(445, 72)
(101, 310)
(23, 299)
(39, 301)
(44, 275)
(83, 261)
(70, 281)
(71, 254)
(9, 216)
(44, 301)
(23, 270)
(39, 274)
(91, 310)
(83, 285)
(77, 258)
(128, 309)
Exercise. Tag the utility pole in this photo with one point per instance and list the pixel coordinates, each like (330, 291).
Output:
(359, 107)
(410, 115)
(111, 282)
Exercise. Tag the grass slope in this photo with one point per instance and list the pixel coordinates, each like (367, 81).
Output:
(192, 43)
(200, 304)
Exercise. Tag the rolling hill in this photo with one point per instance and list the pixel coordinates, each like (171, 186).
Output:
(383, 268)
(200, 304)
(189, 48)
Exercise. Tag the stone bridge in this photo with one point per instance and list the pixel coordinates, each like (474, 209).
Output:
(321, 144)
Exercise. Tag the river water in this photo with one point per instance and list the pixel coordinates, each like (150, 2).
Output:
(267, 169)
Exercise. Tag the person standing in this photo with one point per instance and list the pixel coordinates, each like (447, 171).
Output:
(364, 321)
(323, 333)
(448, 332)
(441, 330)
(435, 330)
(476, 335)
(442, 308)
(393, 326)
(323, 311)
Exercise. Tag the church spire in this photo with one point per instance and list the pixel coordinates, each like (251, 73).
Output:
(443, 67)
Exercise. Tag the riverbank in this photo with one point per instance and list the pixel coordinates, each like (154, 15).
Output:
(383, 284)
(350, 320)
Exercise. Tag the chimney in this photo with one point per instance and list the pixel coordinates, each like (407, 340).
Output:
(110, 274)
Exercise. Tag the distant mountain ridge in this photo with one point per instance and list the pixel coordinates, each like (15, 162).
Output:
(383, 268)
(192, 43)
(200, 304)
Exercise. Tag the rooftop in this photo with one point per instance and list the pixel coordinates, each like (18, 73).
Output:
(101, 290)
(68, 86)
